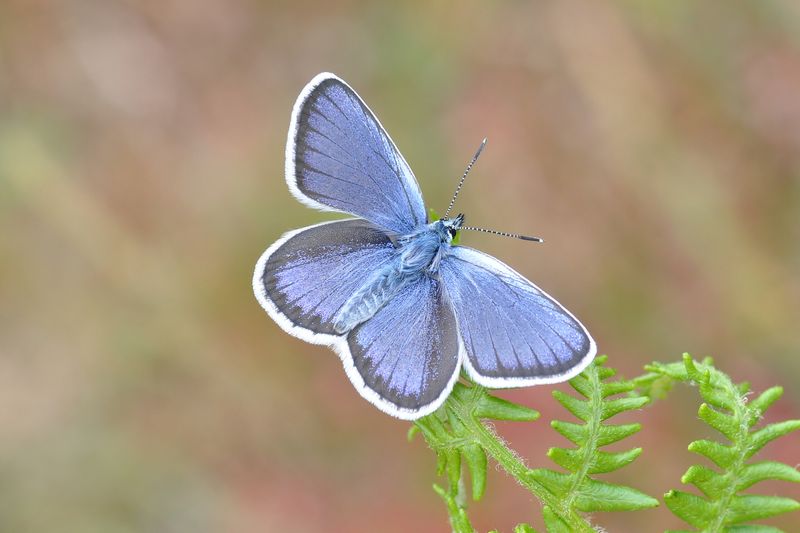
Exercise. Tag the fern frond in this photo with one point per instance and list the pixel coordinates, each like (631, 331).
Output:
(459, 520)
(722, 508)
(457, 436)
(576, 489)
(520, 528)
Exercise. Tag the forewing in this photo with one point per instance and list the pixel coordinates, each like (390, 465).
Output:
(339, 157)
(513, 332)
(405, 359)
(308, 274)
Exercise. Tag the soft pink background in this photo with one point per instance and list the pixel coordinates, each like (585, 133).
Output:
(655, 145)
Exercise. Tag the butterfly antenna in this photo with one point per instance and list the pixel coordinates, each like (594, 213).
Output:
(464, 177)
(503, 234)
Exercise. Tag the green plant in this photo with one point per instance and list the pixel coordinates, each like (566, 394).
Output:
(460, 433)
(727, 410)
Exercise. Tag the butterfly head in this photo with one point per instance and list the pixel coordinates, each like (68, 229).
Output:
(452, 225)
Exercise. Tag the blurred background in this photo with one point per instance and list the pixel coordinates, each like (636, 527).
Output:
(654, 145)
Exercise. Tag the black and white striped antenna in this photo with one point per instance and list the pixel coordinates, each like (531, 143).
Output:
(464, 177)
(503, 233)
(484, 230)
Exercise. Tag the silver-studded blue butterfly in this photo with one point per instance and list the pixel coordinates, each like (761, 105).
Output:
(402, 305)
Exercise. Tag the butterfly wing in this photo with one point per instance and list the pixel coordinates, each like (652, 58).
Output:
(514, 333)
(406, 358)
(339, 157)
(308, 274)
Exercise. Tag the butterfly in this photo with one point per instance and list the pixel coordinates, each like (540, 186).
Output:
(403, 306)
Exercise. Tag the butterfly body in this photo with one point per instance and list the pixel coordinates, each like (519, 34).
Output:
(418, 254)
(403, 307)
(423, 250)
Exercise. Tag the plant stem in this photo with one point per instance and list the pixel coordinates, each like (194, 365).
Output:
(512, 464)
(735, 470)
(590, 447)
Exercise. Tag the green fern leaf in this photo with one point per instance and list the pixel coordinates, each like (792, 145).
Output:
(494, 408)
(754, 507)
(457, 445)
(690, 508)
(459, 520)
(460, 437)
(721, 508)
(575, 489)
(553, 522)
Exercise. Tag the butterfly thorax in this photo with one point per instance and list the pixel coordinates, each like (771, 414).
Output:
(418, 254)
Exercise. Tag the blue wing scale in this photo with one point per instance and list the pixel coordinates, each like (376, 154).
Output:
(339, 157)
(409, 352)
(312, 272)
(514, 333)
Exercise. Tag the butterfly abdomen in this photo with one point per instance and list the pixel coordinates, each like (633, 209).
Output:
(418, 254)
(373, 295)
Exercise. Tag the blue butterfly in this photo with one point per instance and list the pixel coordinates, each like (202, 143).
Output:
(402, 305)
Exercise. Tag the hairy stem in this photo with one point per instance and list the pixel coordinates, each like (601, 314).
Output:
(514, 467)
(590, 447)
(735, 470)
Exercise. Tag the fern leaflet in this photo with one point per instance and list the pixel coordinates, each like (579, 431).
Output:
(576, 489)
(723, 508)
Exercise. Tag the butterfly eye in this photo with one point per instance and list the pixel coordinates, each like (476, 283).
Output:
(452, 232)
